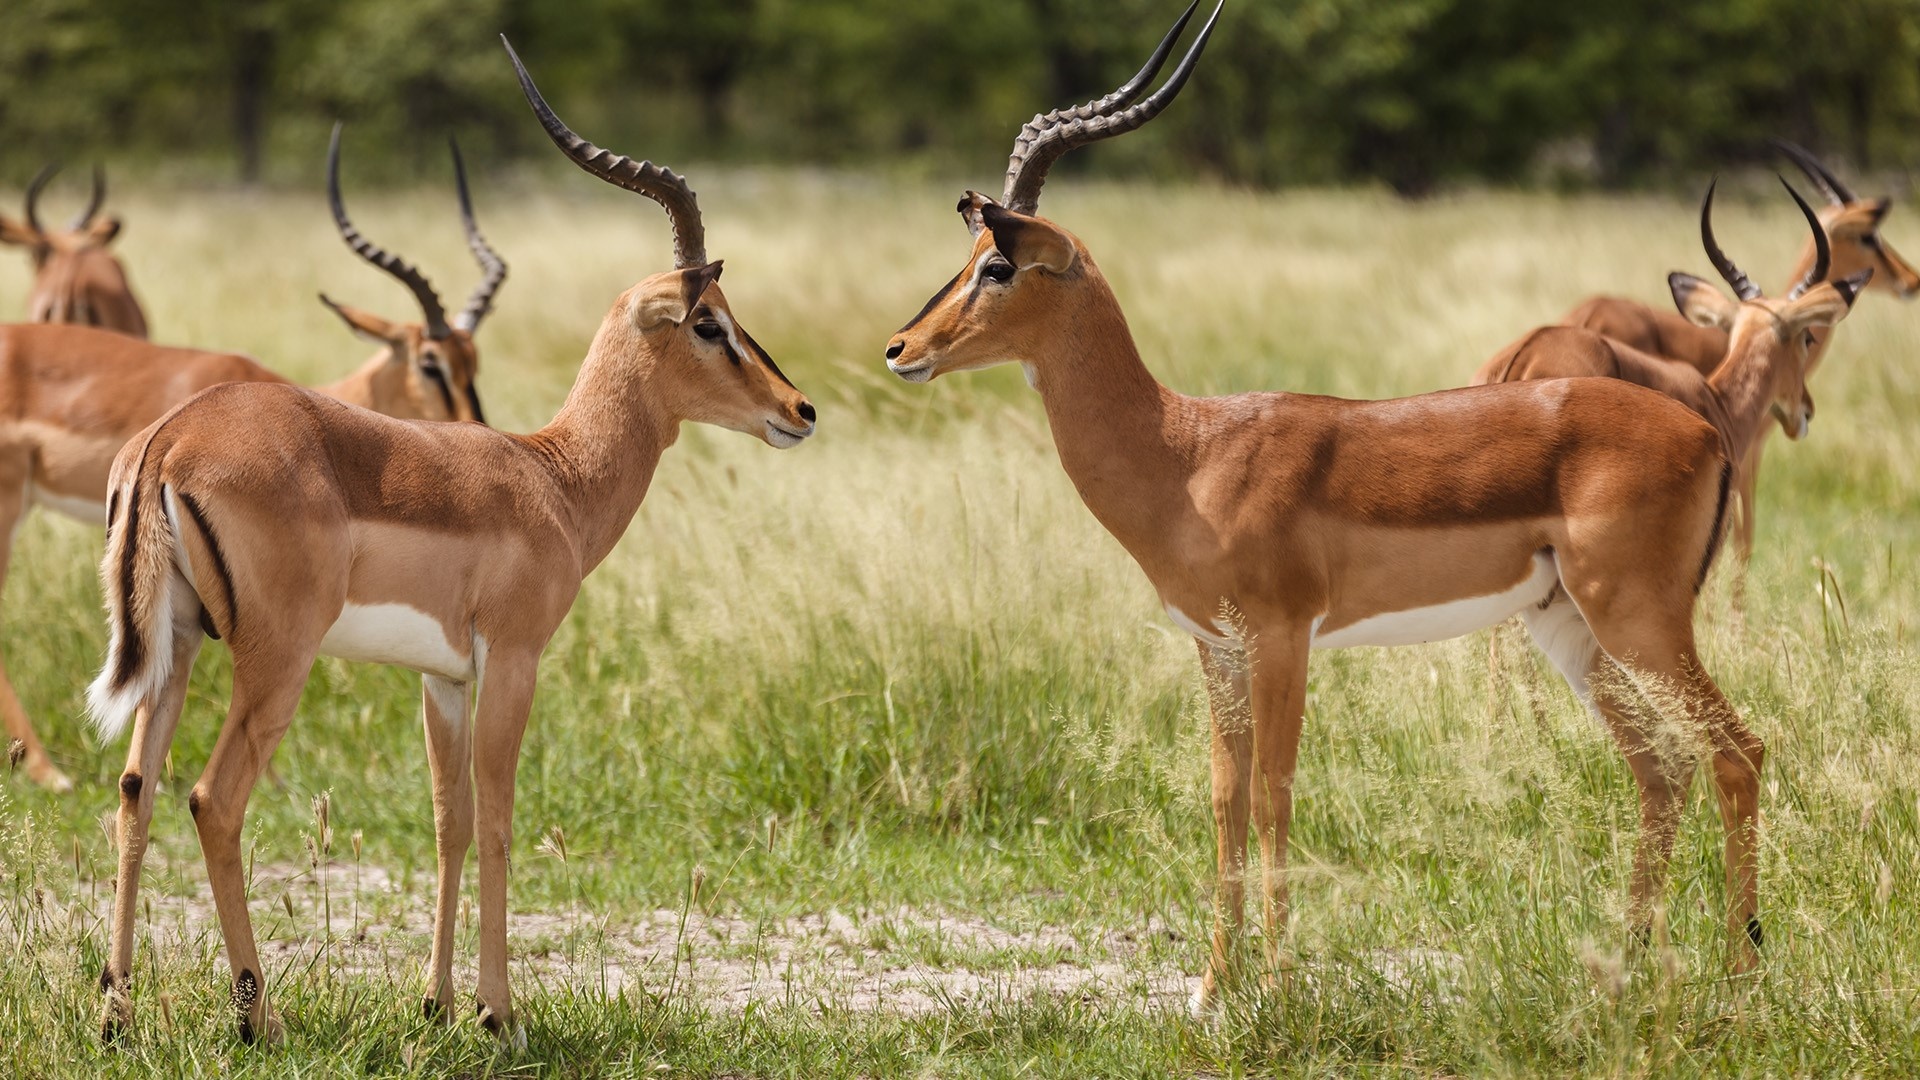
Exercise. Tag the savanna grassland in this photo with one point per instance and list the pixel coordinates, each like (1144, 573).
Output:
(877, 757)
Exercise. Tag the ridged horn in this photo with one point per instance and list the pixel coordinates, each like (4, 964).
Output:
(493, 267)
(656, 182)
(1047, 137)
(416, 283)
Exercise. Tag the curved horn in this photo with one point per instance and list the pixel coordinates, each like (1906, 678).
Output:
(1743, 287)
(1830, 186)
(1822, 250)
(492, 266)
(34, 187)
(436, 316)
(93, 201)
(658, 183)
(1044, 139)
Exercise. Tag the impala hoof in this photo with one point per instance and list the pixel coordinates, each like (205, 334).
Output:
(269, 1031)
(116, 1020)
(511, 1035)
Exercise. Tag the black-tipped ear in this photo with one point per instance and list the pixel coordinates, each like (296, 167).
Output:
(1849, 287)
(970, 206)
(696, 281)
(1027, 241)
(1880, 208)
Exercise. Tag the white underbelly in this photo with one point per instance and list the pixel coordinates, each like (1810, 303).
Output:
(1449, 620)
(396, 634)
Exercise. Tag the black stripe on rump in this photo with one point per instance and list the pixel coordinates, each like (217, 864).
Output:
(199, 517)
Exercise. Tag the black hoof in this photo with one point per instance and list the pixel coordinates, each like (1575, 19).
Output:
(1753, 932)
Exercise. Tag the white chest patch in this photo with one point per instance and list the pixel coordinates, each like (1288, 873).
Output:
(396, 634)
(90, 511)
(1439, 622)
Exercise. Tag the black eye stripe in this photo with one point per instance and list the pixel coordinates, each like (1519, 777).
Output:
(763, 357)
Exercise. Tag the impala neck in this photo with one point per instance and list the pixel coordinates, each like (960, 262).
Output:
(1743, 386)
(607, 439)
(1124, 439)
(373, 383)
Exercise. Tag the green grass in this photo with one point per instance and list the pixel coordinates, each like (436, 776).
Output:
(820, 705)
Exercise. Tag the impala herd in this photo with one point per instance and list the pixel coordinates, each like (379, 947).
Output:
(379, 519)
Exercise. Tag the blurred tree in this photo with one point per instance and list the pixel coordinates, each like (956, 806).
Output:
(1415, 93)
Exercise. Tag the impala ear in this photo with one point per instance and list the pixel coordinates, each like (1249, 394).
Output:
(364, 324)
(1028, 241)
(17, 232)
(1849, 287)
(1700, 302)
(970, 206)
(103, 230)
(667, 299)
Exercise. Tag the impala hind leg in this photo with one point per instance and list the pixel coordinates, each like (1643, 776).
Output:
(1660, 771)
(500, 719)
(153, 728)
(265, 693)
(450, 759)
(15, 476)
(1232, 767)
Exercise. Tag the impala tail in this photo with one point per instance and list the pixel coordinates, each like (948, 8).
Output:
(148, 582)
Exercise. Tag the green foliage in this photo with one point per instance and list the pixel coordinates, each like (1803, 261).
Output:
(1416, 93)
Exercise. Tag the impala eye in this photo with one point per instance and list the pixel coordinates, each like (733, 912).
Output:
(711, 331)
(998, 271)
(1808, 340)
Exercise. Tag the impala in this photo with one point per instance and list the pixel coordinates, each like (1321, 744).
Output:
(75, 278)
(1273, 524)
(71, 397)
(451, 549)
(1770, 347)
(1853, 226)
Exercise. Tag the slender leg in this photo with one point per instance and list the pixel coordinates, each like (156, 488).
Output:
(265, 693)
(506, 697)
(450, 758)
(1279, 698)
(153, 728)
(1232, 753)
(14, 478)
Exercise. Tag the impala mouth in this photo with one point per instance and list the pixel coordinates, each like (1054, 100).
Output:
(919, 373)
(780, 437)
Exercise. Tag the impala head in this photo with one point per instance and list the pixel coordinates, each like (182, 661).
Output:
(1783, 329)
(433, 364)
(1853, 228)
(70, 261)
(1024, 272)
(678, 324)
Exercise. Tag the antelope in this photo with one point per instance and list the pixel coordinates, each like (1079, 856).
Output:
(1771, 347)
(71, 397)
(451, 549)
(1850, 223)
(75, 278)
(1274, 524)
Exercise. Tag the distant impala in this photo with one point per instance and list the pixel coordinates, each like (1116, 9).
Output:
(71, 396)
(1852, 226)
(1275, 524)
(75, 278)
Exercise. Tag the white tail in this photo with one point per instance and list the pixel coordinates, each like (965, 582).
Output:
(148, 583)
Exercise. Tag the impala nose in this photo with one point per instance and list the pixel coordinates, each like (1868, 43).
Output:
(806, 411)
(894, 350)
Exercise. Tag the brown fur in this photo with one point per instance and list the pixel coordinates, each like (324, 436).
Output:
(316, 505)
(75, 278)
(1853, 230)
(71, 397)
(1305, 514)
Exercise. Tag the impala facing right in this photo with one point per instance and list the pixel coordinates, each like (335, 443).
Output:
(1273, 524)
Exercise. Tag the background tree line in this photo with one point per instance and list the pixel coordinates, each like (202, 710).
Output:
(1415, 93)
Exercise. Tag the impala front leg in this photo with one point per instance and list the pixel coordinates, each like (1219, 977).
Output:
(506, 696)
(1226, 677)
(450, 759)
(1279, 701)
